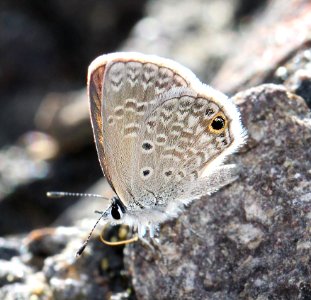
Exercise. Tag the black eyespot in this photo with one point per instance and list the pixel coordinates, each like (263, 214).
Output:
(168, 173)
(209, 112)
(115, 212)
(146, 146)
(218, 123)
(146, 172)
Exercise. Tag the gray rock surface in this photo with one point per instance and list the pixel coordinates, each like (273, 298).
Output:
(275, 37)
(43, 266)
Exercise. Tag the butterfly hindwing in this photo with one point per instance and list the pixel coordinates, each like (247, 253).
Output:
(183, 122)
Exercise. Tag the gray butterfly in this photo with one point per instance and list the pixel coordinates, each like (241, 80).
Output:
(161, 136)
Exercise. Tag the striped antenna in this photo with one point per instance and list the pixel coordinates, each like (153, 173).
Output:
(81, 249)
(102, 214)
(66, 194)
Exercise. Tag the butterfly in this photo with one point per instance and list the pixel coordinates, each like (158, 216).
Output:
(161, 136)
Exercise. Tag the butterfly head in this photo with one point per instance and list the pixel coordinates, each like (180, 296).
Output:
(116, 211)
(143, 220)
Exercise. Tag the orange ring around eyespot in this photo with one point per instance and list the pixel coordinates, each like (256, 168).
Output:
(212, 130)
(120, 243)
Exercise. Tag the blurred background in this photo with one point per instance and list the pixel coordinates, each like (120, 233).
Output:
(46, 141)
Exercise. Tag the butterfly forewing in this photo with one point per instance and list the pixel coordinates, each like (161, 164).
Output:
(95, 96)
(121, 92)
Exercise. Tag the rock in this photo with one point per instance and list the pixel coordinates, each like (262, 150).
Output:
(295, 73)
(276, 36)
(251, 238)
(43, 266)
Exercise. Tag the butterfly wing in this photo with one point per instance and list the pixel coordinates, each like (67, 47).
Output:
(95, 85)
(157, 128)
(122, 87)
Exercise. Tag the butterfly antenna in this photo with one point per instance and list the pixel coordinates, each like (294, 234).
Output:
(65, 194)
(81, 249)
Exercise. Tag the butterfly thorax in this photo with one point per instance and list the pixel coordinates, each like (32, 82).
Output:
(142, 213)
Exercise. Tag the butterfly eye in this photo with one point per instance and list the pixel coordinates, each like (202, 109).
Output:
(218, 124)
(117, 210)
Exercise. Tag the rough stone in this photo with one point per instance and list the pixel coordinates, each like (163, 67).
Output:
(278, 34)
